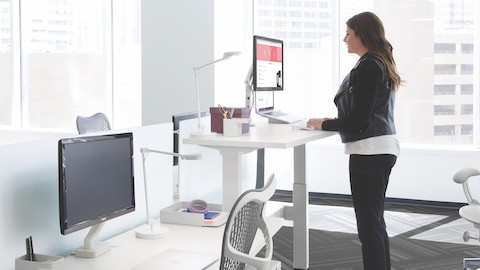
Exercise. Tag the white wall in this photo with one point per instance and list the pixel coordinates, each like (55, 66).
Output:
(176, 36)
(29, 193)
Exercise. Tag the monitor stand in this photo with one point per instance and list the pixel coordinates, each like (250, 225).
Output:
(275, 121)
(92, 248)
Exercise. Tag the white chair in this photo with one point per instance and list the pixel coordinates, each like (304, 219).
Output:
(246, 218)
(470, 212)
(95, 123)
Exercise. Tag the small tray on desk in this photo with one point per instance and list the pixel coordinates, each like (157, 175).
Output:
(174, 214)
(42, 262)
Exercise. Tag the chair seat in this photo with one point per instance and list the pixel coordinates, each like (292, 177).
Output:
(470, 213)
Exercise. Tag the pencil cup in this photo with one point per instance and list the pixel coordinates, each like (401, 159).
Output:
(41, 262)
(216, 117)
(233, 126)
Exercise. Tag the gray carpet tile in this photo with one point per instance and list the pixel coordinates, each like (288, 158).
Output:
(416, 242)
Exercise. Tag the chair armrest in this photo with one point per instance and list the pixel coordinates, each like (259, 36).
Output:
(462, 174)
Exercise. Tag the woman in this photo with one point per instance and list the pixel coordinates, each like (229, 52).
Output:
(365, 104)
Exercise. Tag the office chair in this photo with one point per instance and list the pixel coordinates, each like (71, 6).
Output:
(470, 212)
(245, 219)
(95, 123)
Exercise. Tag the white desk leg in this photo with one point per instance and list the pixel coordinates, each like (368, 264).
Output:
(301, 245)
(232, 184)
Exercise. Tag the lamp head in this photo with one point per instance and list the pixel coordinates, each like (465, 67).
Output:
(227, 55)
(191, 156)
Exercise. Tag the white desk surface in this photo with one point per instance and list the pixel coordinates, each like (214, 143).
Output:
(129, 251)
(264, 135)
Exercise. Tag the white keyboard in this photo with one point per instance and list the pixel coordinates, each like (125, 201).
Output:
(301, 125)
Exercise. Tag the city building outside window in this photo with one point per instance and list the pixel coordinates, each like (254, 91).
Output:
(63, 65)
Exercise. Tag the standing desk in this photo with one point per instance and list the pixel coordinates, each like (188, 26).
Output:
(268, 135)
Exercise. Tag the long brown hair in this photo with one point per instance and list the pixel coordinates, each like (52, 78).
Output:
(369, 28)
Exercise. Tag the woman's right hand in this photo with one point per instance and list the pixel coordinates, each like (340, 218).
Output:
(317, 122)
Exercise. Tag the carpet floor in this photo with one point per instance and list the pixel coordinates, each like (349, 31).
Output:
(421, 237)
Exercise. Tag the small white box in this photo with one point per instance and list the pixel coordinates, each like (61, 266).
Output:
(42, 262)
(173, 214)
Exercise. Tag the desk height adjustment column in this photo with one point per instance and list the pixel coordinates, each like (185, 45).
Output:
(301, 243)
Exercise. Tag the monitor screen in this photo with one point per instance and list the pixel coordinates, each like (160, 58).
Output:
(267, 64)
(264, 101)
(96, 180)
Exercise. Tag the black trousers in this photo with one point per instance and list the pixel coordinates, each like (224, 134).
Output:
(369, 176)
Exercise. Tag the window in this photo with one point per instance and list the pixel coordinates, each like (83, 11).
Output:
(54, 61)
(67, 50)
(311, 4)
(447, 48)
(444, 130)
(467, 129)
(466, 69)
(467, 89)
(467, 48)
(467, 109)
(444, 109)
(6, 68)
(443, 69)
(445, 89)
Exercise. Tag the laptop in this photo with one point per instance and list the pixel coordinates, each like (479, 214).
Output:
(175, 259)
(264, 106)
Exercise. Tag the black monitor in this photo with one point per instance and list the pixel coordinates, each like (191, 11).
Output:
(96, 184)
(267, 64)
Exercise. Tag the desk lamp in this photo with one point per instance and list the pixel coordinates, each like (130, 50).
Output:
(201, 132)
(153, 230)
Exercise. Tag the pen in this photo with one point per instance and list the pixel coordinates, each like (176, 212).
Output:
(223, 111)
(27, 246)
(32, 253)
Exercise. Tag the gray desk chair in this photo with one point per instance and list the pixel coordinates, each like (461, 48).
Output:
(95, 123)
(246, 218)
(470, 212)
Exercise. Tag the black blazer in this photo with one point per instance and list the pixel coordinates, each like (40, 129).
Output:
(365, 102)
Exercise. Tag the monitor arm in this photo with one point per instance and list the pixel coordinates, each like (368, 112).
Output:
(248, 87)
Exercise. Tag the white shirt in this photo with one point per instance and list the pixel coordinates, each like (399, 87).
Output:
(378, 145)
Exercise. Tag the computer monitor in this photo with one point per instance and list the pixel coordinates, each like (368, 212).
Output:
(267, 64)
(96, 184)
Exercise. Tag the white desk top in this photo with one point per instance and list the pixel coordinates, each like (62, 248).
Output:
(263, 135)
(129, 251)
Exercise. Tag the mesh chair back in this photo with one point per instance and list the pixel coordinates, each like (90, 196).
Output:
(95, 123)
(245, 219)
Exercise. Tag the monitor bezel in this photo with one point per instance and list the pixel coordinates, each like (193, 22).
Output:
(66, 229)
(255, 87)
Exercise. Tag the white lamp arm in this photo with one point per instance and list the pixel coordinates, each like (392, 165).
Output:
(197, 69)
(145, 150)
(226, 55)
